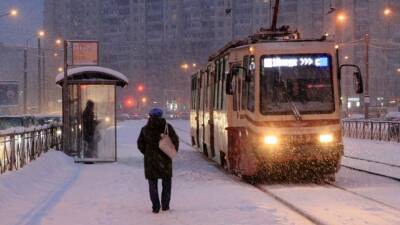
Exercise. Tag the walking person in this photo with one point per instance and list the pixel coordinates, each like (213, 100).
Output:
(157, 164)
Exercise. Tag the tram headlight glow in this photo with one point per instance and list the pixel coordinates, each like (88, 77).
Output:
(270, 140)
(326, 138)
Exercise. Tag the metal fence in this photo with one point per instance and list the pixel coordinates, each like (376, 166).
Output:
(372, 130)
(19, 148)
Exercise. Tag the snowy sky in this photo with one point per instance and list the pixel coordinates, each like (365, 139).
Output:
(15, 31)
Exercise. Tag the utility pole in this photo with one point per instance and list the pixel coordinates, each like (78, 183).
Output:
(44, 93)
(367, 98)
(25, 80)
(39, 76)
(65, 105)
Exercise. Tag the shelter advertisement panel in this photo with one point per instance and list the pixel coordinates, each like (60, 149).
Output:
(8, 93)
(85, 53)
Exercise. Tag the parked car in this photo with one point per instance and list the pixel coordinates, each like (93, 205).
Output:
(12, 122)
(122, 117)
(41, 120)
(137, 116)
(392, 116)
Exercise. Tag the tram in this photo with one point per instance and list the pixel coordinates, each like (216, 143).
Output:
(269, 105)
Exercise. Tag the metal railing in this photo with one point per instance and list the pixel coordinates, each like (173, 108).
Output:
(21, 147)
(372, 130)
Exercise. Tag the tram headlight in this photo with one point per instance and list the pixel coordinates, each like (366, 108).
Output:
(270, 140)
(326, 138)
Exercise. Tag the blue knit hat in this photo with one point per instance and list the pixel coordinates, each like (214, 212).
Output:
(156, 112)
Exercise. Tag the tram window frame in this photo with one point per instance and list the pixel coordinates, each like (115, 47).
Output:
(194, 93)
(215, 105)
(200, 81)
(251, 84)
(191, 94)
(206, 100)
(243, 105)
(222, 76)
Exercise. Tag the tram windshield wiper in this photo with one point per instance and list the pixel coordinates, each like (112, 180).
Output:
(293, 107)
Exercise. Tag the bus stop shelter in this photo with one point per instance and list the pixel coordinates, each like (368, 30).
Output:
(91, 134)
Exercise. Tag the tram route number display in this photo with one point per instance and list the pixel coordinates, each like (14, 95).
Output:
(273, 62)
(8, 93)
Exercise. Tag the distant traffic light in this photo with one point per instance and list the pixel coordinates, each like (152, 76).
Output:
(129, 102)
(140, 88)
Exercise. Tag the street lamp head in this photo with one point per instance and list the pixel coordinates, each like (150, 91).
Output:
(185, 66)
(336, 46)
(144, 100)
(387, 12)
(194, 65)
(341, 17)
(60, 69)
(58, 41)
(398, 70)
(41, 33)
(13, 12)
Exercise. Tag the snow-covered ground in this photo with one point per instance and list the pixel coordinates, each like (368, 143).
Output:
(54, 190)
(378, 151)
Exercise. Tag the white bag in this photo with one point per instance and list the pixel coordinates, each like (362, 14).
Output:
(166, 144)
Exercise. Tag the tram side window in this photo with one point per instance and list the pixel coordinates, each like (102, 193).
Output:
(216, 85)
(193, 94)
(251, 67)
(244, 84)
(222, 76)
(207, 74)
(199, 85)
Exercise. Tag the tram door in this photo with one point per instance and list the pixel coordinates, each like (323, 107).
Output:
(213, 81)
(204, 84)
(198, 103)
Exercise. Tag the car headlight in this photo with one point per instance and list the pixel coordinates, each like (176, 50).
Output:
(326, 138)
(270, 140)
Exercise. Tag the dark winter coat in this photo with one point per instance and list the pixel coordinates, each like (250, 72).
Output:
(89, 124)
(157, 164)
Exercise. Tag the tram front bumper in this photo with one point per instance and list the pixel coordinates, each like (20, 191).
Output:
(301, 153)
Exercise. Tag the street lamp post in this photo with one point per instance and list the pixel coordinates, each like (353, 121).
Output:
(25, 80)
(12, 12)
(366, 93)
(39, 75)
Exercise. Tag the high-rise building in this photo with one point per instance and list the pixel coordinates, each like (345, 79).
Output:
(149, 40)
(369, 18)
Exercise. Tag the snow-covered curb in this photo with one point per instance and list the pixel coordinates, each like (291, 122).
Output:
(30, 191)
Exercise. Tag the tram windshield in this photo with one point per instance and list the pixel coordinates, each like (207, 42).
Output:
(296, 83)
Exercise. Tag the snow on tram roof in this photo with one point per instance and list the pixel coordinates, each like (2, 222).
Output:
(106, 73)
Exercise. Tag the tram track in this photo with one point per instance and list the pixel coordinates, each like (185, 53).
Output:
(293, 207)
(236, 179)
(371, 173)
(346, 166)
(373, 161)
(362, 196)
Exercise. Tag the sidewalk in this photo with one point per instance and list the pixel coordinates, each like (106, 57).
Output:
(378, 151)
(117, 193)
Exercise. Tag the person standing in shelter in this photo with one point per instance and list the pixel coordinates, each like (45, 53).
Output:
(89, 124)
(157, 165)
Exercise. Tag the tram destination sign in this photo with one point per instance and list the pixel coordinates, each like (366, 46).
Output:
(85, 53)
(296, 61)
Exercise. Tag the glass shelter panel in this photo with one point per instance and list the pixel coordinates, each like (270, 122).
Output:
(93, 124)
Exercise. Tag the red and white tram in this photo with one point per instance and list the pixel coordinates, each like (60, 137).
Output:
(270, 105)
